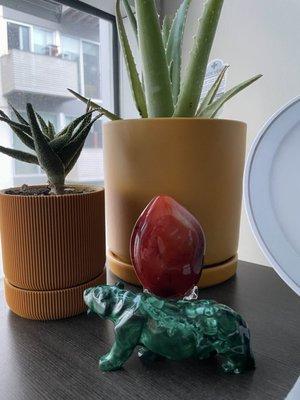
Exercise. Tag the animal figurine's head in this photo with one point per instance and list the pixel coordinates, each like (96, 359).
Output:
(102, 299)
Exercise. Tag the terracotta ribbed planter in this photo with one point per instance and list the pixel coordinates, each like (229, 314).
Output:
(53, 247)
(198, 162)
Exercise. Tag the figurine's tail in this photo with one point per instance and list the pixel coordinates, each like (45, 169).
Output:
(251, 362)
(245, 332)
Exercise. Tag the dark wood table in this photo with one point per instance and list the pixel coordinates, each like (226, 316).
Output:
(59, 360)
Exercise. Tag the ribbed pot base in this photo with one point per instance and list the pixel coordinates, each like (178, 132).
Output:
(211, 275)
(48, 305)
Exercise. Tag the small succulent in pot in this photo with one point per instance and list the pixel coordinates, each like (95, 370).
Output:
(55, 152)
(162, 90)
(52, 236)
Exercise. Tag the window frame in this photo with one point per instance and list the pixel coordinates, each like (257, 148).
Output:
(81, 6)
(31, 33)
(11, 21)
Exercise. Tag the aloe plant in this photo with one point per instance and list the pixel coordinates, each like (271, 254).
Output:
(55, 152)
(161, 90)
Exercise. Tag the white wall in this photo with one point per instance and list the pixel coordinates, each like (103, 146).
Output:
(255, 36)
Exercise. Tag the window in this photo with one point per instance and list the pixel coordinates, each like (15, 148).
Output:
(82, 44)
(91, 69)
(43, 41)
(70, 48)
(18, 36)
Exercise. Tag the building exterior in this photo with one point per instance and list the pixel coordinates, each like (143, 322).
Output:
(45, 48)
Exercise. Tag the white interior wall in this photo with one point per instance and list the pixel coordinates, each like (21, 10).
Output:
(255, 37)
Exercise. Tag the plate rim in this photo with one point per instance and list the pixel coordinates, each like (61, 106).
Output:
(247, 199)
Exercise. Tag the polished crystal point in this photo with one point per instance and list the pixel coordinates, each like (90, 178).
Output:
(167, 248)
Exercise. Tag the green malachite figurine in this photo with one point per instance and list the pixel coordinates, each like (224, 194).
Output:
(167, 249)
(174, 329)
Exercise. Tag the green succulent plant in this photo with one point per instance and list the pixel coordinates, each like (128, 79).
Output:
(55, 152)
(162, 91)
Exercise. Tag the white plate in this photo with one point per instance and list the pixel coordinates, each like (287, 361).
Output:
(272, 192)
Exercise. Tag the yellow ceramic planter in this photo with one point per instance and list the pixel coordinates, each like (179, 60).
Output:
(198, 162)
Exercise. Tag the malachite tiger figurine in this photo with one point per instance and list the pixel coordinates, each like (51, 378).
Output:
(174, 329)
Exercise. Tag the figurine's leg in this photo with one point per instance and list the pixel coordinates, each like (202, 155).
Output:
(206, 352)
(237, 355)
(147, 356)
(237, 363)
(127, 338)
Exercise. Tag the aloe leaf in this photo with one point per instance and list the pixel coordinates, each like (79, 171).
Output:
(155, 67)
(61, 133)
(65, 136)
(47, 158)
(166, 26)
(19, 155)
(77, 153)
(43, 125)
(74, 159)
(3, 115)
(19, 116)
(16, 128)
(136, 85)
(211, 94)
(88, 106)
(81, 132)
(71, 127)
(191, 89)
(86, 121)
(211, 110)
(77, 124)
(67, 153)
(95, 106)
(131, 17)
(60, 141)
(14, 124)
(174, 47)
(26, 139)
(51, 130)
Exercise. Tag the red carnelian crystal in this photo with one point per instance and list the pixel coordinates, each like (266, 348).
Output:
(167, 248)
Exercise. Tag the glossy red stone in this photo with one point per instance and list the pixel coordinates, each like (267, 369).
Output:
(167, 248)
